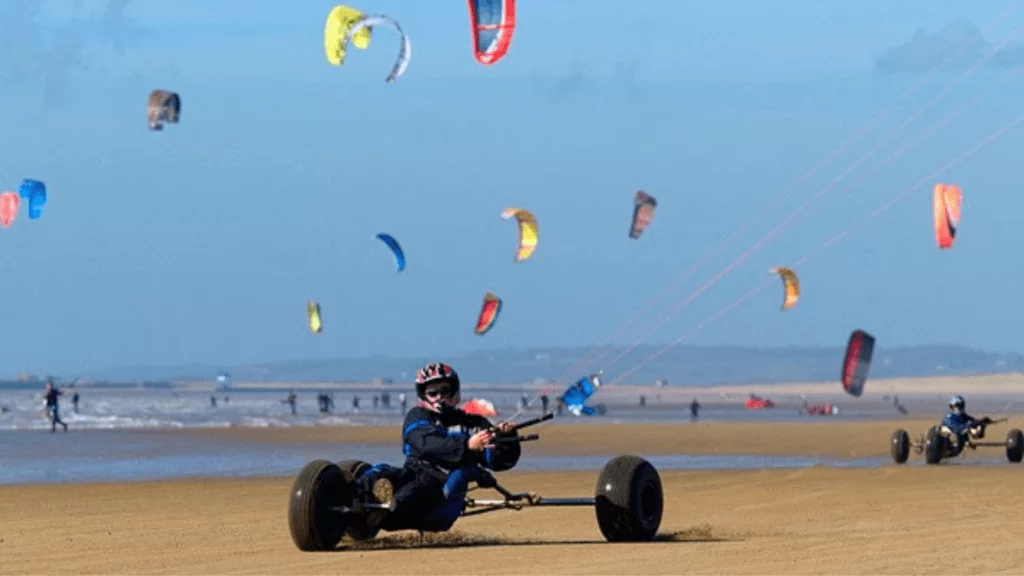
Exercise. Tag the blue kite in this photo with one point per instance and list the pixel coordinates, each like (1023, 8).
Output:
(576, 396)
(395, 248)
(35, 192)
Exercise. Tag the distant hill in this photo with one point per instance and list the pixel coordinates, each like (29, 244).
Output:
(684, 365)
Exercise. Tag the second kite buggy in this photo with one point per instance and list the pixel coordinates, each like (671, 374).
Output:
(940, 442)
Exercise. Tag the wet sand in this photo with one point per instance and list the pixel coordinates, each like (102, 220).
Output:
(820, 436)
(892, 520)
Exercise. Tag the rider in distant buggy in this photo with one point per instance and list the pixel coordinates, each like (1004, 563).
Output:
(444, 448)
(961, 424)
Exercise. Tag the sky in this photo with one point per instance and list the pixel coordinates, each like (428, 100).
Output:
(202, 243)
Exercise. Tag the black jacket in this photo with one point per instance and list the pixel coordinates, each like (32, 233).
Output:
(441, 441)
(51, 396)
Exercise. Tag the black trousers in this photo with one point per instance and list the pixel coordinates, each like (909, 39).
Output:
(419, 493)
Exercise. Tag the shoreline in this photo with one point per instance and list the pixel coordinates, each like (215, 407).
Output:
(813, 437)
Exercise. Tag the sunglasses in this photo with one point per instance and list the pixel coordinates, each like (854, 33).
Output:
(441, 392)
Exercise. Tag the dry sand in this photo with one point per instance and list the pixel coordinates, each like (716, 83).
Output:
(813, 521)
(894, 520)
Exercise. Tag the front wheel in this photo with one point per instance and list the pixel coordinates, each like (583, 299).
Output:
(314, 523)
(357, 529)
(899, 446)
(629, 500)
(934, 445)
(1014, 445)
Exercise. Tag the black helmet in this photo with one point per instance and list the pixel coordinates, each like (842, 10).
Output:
(957, 404)
(437, 373)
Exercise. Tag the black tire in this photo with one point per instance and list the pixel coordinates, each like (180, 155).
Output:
(934, 445)
(357, 530)
(899, 446)
(354, 467)
(320, 486)
(1014, 445)
(628, 500)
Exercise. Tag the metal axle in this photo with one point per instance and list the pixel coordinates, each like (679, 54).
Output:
(530, 500)
(564, 502)
(989, 444)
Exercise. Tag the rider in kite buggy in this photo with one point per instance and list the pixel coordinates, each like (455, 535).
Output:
(444, 448)
(960, 423)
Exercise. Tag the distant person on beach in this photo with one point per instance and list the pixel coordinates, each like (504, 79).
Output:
(376, 401)
(355, 403)
(385, 400)
(326, 401)
(401, 400)
(51, 395)
(896, 403)
(643, 400)
(694, 410)
(291, 401)
(75, 398)
(213, 401)
(544, 403)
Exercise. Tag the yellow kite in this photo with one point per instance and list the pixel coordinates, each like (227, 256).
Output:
(339, 21)
(313, 311)
(792, 285)
(527, 231)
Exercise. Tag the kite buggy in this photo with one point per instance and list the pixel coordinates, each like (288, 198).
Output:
(324, 506)
(940, 442)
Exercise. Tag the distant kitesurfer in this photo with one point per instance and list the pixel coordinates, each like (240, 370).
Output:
(291, 401)
(51, 396)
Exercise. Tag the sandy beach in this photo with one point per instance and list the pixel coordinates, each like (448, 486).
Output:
(884, 520)
(814, 521)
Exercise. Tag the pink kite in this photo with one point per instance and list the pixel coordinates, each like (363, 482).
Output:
(9, 202)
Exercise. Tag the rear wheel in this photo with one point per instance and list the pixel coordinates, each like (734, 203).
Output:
(320, 487)
(934, 445)
(357, 529)
(628, 500)
(1014, 445)
(899, 446)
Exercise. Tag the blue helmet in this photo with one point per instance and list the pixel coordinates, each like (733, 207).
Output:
(957, 404)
